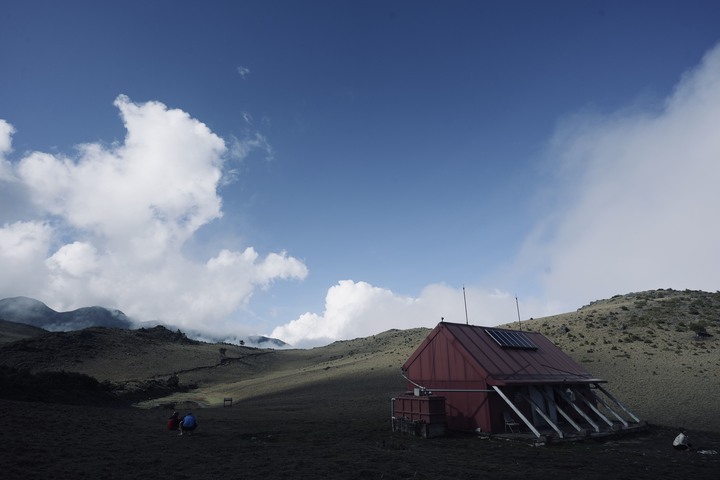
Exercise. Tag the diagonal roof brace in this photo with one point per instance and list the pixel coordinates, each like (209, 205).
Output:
(517, 411)
(544, 415)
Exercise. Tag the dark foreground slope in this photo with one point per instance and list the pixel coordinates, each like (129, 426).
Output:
(329, 431)
(324, 413)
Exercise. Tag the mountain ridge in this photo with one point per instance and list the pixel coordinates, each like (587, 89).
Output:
(33, 312)
(645, 344)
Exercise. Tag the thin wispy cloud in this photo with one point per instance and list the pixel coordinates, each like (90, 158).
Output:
(241, 148)
(243, 71)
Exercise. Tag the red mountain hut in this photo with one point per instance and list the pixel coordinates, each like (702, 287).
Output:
(499, 381)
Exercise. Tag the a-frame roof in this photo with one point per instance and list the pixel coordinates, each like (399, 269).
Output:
(507, 356)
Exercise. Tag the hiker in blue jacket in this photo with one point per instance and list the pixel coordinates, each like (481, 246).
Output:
(188, 424)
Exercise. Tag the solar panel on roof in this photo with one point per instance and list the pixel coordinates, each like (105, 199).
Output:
(511, 339)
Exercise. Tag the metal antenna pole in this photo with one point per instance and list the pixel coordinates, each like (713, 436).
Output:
(517, 305)
(465, 300)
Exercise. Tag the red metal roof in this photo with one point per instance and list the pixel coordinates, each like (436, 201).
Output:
(482, 356)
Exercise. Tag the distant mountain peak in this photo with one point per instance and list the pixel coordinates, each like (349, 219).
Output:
(29, 311)
(34, 312)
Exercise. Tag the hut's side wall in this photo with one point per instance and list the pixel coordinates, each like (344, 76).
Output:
(444, 365)
(467, 411)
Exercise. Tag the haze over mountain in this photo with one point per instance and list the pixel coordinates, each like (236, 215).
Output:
(29, 311)
(33, 312)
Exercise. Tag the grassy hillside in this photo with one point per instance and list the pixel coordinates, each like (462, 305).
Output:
(645, 344)
(647, 347)
(364, 365)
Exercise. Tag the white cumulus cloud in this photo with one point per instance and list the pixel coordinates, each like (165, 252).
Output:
(633, 207)
(115, 221)
(358, 309)
(23, 249)
(6, 133)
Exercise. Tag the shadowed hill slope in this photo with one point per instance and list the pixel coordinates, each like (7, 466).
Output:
(646, 345)
(12, 331)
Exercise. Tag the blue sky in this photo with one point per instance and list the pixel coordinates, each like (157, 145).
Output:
(323, 170)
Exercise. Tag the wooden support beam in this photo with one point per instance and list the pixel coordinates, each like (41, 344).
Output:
(617, 402)
(517, 411)
(587, 418)
(609, 408)
(593, 407)
(540, 412)
(567, 417)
